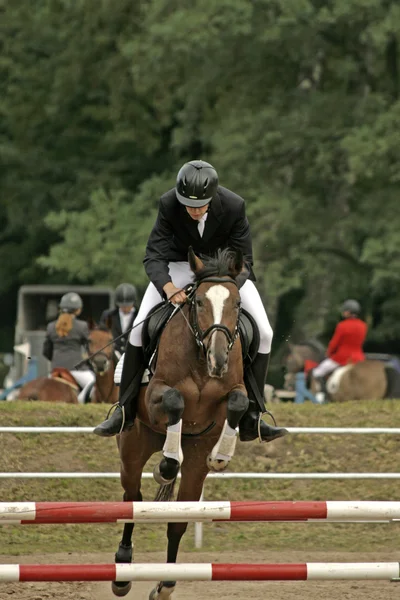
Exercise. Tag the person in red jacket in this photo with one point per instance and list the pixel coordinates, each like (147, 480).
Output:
(346, 345)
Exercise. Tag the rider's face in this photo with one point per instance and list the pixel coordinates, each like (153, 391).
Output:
(197, 213)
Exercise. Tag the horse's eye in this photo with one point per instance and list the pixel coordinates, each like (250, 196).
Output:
(199, 302)
(237, 304)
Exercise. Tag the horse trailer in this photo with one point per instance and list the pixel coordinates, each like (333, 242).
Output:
(37, 305)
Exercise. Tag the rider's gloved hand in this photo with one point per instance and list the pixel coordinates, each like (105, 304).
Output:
(118, 370)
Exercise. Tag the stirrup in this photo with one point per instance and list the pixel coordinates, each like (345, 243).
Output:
(114, 406)
(260, 416)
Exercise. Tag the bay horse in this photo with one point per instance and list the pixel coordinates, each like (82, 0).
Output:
(61, 386)
(366, 380)
(103, 365)
(193, 403)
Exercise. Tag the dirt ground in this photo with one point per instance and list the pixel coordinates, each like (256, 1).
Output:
(201, 590)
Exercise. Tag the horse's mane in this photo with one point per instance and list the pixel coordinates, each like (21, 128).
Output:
(101, 328)
(220, 265)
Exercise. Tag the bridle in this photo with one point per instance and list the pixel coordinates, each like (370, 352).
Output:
(108, 360)
(200, 334)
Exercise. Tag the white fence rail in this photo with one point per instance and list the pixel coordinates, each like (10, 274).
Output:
(269, 476)
(308, 430)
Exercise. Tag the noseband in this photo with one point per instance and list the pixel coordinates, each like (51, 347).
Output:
(198, 333)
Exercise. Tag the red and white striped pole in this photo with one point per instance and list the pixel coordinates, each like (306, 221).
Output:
(202, 572)
(124, 512)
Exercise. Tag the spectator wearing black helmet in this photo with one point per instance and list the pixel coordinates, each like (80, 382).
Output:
(346, 345)
(120, 319)
(66, 339)
(201, 214)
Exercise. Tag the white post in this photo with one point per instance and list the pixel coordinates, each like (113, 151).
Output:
(198, 528)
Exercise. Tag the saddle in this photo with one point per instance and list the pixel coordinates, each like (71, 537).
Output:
(159, 316)
(63, 375)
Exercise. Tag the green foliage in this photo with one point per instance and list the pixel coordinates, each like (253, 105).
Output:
(294, 101)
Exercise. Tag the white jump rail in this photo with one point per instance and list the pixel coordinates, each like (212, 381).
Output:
(99, 475)
(296, 430)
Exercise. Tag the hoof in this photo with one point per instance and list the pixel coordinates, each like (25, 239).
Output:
(121, 588)
(166, 471)
(216, 465)
(162, 592)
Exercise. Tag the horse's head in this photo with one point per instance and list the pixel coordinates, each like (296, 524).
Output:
(294, 359)
(98, 338)
(215, 306)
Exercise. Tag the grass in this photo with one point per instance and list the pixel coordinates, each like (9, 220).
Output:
(295, 453)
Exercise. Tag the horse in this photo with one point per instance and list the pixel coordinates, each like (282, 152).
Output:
(56, 388)
(61, 386)
(103, 365)
(364, 380)
(193, 403)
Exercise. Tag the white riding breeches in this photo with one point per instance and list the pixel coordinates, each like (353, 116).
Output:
(181, 275)
(325, 367)
(85, 379)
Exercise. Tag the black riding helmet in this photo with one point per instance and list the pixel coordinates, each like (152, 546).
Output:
(196, 184)
(125, 295)
(351, 306)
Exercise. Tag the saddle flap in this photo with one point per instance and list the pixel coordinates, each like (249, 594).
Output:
(154, 325)
(249, 336)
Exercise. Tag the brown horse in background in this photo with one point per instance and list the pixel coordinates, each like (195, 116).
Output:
(61, 386)
(193, 403)
(103, 365)
(49, 389)
(365, 380)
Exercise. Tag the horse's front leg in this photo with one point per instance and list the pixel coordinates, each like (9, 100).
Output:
(224, 449)
(194, 472)
(166, 407)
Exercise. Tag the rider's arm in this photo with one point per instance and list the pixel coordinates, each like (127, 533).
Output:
(240, 239)
(84, 333)
(47, 347)
(335, 341)
(157, 250)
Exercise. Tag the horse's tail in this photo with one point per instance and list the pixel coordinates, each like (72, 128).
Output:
(165, 492)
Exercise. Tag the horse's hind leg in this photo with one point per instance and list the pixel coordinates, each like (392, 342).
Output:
(135, 447)
(170, 409)
(224, 449)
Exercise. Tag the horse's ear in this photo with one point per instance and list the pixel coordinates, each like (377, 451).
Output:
(91, 323)
(194, 261)
(237, 263)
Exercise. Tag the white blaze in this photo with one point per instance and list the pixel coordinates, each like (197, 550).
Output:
(217, 294)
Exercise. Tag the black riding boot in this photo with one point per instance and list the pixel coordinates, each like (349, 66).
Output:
(248, 426)
(131, 378)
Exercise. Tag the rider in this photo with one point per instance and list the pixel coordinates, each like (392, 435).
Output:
(121, 318)
(198, 213)
(346, 344)
(64, 340)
